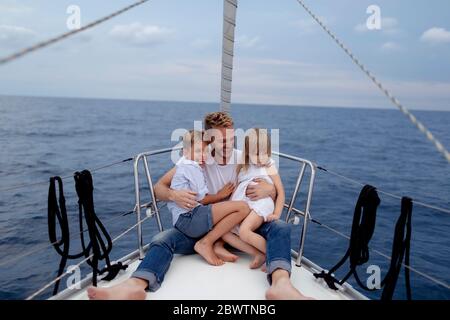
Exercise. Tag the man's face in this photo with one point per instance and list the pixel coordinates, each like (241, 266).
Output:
(222, 141)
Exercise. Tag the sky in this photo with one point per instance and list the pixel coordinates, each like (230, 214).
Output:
(171, 50)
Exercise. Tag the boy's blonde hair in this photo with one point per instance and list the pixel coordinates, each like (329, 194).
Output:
(257, 138)
(191, 137)
(218, 119)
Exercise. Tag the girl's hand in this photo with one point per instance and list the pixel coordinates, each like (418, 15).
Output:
(272, 217)
(226, 191)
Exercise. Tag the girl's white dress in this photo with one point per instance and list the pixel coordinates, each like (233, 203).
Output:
(263, 207)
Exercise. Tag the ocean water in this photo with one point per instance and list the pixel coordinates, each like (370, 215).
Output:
(43, 137)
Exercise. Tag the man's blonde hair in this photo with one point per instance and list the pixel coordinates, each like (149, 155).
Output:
(191, 137)
(218, 119)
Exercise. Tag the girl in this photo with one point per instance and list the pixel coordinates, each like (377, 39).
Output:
(256, 163)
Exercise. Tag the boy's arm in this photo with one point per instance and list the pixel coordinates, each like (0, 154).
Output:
(223, 194)
(183, 198)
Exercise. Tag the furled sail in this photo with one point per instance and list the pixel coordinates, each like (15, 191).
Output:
(229, 24)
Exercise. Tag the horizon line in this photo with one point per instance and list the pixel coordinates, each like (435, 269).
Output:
(255, 104)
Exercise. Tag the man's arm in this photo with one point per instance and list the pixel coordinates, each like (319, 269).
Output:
(261, 190)
(183, 198)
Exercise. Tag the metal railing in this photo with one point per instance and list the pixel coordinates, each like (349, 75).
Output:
(292, 214)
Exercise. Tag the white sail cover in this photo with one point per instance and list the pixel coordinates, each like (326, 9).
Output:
(229, 24)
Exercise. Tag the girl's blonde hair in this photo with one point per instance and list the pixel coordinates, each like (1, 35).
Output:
(258, 139)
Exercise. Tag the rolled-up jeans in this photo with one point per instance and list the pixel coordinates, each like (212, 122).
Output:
(169, 242)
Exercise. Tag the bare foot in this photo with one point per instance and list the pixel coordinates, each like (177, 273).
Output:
(223, 253)
(132, 289)
(258, 261)
(284, 290)
(207, 252)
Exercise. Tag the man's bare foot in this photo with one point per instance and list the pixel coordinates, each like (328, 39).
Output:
(223, 253)
(284, 290)
(132, 289)
(207, 252)
(258, 261)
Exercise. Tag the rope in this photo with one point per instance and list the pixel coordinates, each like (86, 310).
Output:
(35, 294)
(19, 186)
(420, 203)
(63, 36)
(400, 250)
(388, 94)
(422, 274)
(99, 239)
(363, 226)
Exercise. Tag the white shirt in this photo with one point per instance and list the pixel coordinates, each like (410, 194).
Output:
(219, 175)
(263, 207)
(189, 175)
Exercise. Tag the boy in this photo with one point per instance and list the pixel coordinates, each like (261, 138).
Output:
(209, 219)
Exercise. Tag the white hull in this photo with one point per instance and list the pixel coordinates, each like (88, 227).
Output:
(191, 278)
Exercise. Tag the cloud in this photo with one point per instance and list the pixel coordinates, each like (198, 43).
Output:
(15, 36)
(389, 26)
(138, 34)
(247, 42)
(295, 83)
(391, 46)
(436, 36)
(14, 8)
(308, 25)
(200, 43)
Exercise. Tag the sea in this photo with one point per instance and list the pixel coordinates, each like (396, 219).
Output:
(45, 137)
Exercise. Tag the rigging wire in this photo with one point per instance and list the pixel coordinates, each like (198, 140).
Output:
(101, 167)
(420, 203)
(66, 273)
(63, 36)
(38, 249)
(423, 274)
(438, 145)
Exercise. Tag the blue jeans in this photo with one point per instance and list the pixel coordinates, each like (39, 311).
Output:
(169, 242)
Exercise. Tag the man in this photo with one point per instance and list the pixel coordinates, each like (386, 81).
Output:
(219, 172)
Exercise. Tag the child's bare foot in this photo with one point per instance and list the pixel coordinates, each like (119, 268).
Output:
(207, 252)
(258, 261)
(223, 253)
(132, 289)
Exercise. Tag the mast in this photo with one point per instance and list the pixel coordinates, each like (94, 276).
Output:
(229, 24)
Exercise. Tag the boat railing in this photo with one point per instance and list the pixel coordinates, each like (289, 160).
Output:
(293, 213)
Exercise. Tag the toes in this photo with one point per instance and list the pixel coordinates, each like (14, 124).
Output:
(90, 293)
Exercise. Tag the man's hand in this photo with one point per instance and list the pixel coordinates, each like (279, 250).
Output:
(226, 191)
(185, 199)
(272, 217)
(260, 190)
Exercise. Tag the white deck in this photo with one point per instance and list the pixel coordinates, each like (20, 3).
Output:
(190, 277)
